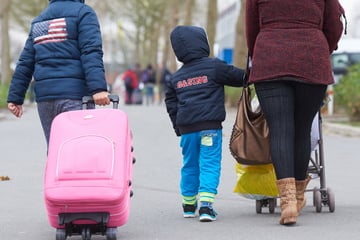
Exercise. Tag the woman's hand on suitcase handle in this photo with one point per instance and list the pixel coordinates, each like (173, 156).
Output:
(15, 109)
(101, 98)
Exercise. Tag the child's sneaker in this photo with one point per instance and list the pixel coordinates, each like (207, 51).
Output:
(207, 214)
(189, 210)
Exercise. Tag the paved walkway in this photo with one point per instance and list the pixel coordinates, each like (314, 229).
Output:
(331, 124)
(156, 205)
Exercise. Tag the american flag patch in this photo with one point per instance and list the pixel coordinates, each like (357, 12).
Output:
(50, 31)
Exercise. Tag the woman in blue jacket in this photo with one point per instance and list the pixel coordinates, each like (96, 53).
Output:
(63, 53)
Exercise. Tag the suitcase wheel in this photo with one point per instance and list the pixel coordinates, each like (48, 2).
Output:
(60, 234)
(111, 233)
(86, 233)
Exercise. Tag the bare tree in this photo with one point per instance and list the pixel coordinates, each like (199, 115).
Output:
(20, 12)
(240, 49)
(212, 16)
(189, 7)
(166, 46)
(141, 27)
(174, 20)
(23, 11)
(5, 43)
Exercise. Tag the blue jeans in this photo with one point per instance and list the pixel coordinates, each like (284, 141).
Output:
(149, 93)
(50, 109)
(200, 173)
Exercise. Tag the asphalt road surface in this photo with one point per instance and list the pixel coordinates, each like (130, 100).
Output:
(156, 212)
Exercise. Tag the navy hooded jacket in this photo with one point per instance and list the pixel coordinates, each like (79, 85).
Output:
(63, 53)
(195, 98)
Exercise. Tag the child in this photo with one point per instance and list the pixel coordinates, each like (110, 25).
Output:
(64, 56)
(195, 103)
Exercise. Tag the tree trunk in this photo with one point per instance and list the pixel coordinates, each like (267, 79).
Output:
(166, 50)
(189, 5)
(240, 49)
(5, 43)
(154, 44)
(212, 16)
(173, 23)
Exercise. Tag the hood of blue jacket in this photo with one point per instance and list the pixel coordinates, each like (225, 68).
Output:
(189, 43)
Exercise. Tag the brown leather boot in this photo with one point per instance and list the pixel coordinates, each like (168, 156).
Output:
(287, 191)
(300, 192)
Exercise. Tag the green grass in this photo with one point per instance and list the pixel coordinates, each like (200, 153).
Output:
(3, 95)
(353, 124)
(345, 122)
(232, 95)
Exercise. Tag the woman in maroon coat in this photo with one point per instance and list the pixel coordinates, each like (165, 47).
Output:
(290, 43)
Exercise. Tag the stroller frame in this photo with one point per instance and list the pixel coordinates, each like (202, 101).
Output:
(323, 195)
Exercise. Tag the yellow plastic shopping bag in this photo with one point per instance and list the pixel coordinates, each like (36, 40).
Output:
(256, 181)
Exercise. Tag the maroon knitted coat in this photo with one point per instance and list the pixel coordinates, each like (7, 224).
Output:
(293, 38)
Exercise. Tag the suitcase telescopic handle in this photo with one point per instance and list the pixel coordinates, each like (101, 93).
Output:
(86, 100)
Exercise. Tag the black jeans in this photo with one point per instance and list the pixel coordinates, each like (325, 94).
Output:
(289, 108)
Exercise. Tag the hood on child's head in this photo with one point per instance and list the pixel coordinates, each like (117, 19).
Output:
(189, 42)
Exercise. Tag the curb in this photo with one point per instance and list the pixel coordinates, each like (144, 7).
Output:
(2, 116)
(341, 129)
(328, 127)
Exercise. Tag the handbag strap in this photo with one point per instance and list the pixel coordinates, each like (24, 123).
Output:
(247, 72)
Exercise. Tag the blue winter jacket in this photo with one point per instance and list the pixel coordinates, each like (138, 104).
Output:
(195, 93)
(63, 53)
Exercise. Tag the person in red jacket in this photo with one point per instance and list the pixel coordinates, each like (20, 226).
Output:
(290, 43)
(131, 83)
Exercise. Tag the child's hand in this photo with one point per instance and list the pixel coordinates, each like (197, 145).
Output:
(15, 109)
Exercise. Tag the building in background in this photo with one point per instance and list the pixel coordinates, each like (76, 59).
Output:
(226, 26)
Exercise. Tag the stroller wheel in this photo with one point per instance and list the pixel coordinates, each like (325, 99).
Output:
(258, 206)
(331, 200)
(272, 205)
(317, 200)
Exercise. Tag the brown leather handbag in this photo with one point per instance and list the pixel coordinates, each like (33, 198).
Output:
(250, 140)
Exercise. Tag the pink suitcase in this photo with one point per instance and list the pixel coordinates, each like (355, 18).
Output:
(87, 185)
